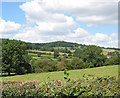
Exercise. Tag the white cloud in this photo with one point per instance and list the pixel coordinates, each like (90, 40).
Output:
(89, 25)
(93, 12)
(43, 30)
(113, 35)
(83, 37)
(100, 37)
(30, 34)
(7, 27)
(58, 28)
(47, 21)
(79, 32)
(54, 21)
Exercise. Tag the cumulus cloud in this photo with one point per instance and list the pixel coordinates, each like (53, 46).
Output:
(57, 28)
(47, 21)
(82, 36)
(43, 31)
(100, 13)
(54, 20)
(93, 12)
(79, 32)
(7, 27)
(30, 34)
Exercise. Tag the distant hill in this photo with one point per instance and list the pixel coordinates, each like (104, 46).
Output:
(52, 44)
(113, 48)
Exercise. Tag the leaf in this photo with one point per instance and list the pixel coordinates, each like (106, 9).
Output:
(65, 77)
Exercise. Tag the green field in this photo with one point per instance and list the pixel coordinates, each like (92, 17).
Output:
(59, 47)
(47, 56)
(74, 74)
(32, 54)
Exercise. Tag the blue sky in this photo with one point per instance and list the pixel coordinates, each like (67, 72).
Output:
(46, 21)
(12, 12)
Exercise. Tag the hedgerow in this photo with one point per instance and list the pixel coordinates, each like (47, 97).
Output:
(87, 86)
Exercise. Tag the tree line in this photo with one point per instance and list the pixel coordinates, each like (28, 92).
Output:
(15, 59)
(49, 46)
(88, 57)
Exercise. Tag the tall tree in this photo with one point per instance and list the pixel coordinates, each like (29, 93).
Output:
(13, 57)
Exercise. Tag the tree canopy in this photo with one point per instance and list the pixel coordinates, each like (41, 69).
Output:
(91, 54)
(14, 57)
(56, 53)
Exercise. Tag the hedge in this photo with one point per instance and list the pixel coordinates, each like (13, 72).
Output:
(87, 86)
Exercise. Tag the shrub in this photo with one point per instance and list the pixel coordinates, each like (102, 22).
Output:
(87, 86)
(77, 63)
(45, 66)
(62, 65)
(39, 54)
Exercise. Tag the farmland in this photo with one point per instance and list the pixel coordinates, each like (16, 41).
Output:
(50, 55)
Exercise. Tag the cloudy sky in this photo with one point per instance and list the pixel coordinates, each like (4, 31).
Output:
(90, 23)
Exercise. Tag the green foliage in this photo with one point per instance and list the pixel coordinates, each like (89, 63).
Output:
(113, 53)
(49, 46)
(39, 54)
(77, 63)
(59, 59)
(64, 50)
(66, 77)
(113, 60)
(84, 87)
(90, 65)
(62, 65)
(91, 54)
(44, 66)
(56, 53)
(65, 56)
(14, 57)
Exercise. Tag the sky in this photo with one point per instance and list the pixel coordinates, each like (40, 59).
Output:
(87, 22)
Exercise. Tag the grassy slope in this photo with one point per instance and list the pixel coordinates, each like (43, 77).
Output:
(74, 74)
(105, 51)
(46, 52)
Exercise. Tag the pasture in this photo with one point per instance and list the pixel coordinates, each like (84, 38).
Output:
(74, 74)
(105, 51)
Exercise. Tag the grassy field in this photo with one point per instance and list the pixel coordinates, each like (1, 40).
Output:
(48, 55)
(46, 52)
(32, 54)
(59, 47)
(105, 51)
(74, 74)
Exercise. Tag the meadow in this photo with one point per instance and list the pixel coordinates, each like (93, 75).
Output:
(74, 74)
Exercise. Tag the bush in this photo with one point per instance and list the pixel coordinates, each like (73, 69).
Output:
(56, 53)
(87, 86)
(45, 66)
(77, 63)
(114, 60)
(39, 54)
